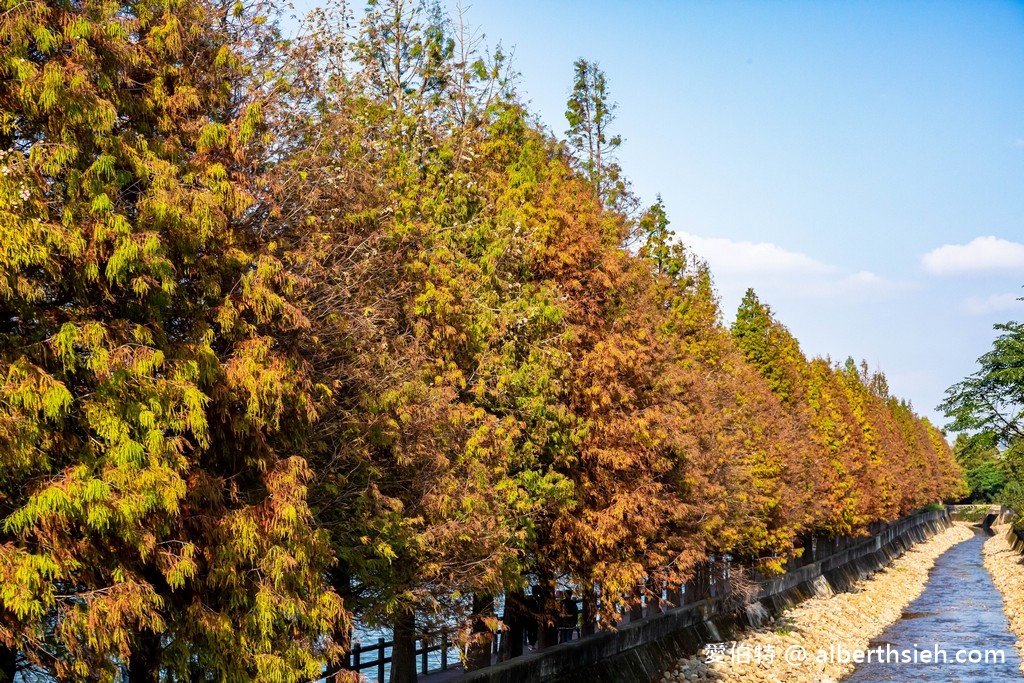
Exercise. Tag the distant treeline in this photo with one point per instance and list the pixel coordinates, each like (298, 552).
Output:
(296, 332)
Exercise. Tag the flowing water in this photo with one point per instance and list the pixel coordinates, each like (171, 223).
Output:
(960, 613)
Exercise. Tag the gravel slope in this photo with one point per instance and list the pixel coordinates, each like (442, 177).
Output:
(1007, 572)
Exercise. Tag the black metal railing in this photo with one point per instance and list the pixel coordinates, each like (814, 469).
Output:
(356, 659)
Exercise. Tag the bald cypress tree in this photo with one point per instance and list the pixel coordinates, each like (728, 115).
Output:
(590, 113)
(152, 500)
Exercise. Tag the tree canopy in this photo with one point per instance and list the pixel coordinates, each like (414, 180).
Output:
(297, 334)
(992, 399)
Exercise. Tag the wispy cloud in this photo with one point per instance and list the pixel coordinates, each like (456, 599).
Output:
(979, 255)
(729, 256)
(865, 280)
(862, 285)
(995, 303)
(740, 264)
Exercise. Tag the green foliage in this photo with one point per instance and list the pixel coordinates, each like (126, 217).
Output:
(769, 347)
(985, 481)
(992, 399)
(990, 405)
(1012, 496)
(980, 460)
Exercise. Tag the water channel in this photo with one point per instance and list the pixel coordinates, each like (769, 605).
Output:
(960, 611)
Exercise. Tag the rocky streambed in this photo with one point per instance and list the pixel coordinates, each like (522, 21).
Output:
(807, 644)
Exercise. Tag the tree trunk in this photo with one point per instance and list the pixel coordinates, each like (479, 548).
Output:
(341, 583)
(514, 619)
(674, 596)
(654, 593)
(636, 606)
(479, 654)
(548, 612)
(335, 670)
(144, 663)
(403, 654)
(588, 622)
(808, 557)
(8, 664)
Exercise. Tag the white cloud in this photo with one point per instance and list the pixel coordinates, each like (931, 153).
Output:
(778, 272)
(861, 283)
(726, 256)
(995, 303)
(980, 254)
(865, 279)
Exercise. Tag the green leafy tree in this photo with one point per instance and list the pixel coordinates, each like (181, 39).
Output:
(986, 481)
(1012, 496)
(989, 404)
(992, 399)
(979, 458)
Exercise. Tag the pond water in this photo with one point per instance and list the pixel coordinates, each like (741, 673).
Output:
(958, 616)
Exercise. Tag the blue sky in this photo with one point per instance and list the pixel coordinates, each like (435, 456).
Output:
(859, 164)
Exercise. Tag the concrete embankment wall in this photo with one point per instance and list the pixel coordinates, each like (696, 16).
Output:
(643, 649)
(1016, 540)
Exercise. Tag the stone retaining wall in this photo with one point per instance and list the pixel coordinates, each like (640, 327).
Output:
(1015, 539)
(641, 650)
